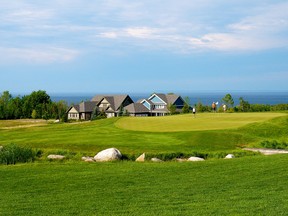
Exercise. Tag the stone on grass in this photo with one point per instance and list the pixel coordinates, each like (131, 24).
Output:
(88, 159)
(111, 154)
(229, 156)
(141, 158)
(195, 159)
(181, 159)
(55, 157)
(156, 160)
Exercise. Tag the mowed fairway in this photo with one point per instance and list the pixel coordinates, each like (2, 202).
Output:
(203, 121)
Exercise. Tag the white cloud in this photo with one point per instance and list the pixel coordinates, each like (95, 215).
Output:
(179, 27)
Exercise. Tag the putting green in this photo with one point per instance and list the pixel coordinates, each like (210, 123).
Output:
(202, 121)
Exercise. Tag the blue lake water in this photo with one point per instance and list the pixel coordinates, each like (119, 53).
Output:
(205, 98)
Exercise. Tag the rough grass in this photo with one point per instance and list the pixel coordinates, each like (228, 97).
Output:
(202, 121)
(245, 186)
(21, 123)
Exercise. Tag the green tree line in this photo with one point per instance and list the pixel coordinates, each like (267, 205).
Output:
(243, 106)
(37, 105)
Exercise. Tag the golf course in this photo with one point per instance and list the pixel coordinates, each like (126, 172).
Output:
(249, 184)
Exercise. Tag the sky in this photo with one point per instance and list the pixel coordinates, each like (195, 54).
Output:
(122, 46)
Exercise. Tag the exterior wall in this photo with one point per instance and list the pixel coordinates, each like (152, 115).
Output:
(85, 116)
(127, 101)
(73, 114)
(110, 115)
(104, 104)
(179, 103)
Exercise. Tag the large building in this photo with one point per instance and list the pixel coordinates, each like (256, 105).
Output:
(115, 105)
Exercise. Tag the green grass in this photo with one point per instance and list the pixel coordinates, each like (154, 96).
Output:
(91, 137)
(243, 186)
(203, 121)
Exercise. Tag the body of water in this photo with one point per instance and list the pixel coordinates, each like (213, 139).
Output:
(205, 98)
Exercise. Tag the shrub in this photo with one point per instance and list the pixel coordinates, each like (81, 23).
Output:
(274, 144)
(12, 154)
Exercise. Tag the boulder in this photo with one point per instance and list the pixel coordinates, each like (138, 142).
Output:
(229, 156)
(88, 159)
(55, 157)
(180, 160)
(110, 154)
(156, 160)
(195, 159)
(141, 158)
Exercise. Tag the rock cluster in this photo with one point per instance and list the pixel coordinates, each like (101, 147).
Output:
(113, 154)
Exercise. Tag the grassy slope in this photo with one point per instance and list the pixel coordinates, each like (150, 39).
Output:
(94, 136)
(244, 186)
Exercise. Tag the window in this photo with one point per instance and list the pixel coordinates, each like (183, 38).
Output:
(159, 106)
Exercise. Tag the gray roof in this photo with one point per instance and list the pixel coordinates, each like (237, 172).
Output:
(171, 98)
(75, 106)
(88, 106)
(167, 98)
(136, 108)
(114, 100)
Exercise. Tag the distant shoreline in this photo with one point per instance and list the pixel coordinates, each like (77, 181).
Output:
(205, 98)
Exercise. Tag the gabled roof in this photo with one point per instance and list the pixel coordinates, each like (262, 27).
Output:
(136, 108)
(97, 98)
(147, 100)
(87, 106)
(76, 107)
(166, 98)
(115, 101)
(171, 98)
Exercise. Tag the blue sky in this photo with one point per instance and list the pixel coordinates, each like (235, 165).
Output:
(117, 46)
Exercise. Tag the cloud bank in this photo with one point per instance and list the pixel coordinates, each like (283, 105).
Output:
(66, 29)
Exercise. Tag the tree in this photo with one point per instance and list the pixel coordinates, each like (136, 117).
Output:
(228, 100)
(34, 114)
(186, 107)
(244, 105)
(95, 113)
(5, 100)
(172, 109)
(121, 110)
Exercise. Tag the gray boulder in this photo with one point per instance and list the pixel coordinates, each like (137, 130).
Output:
(55, 157)
(111, 154)
(195, 159)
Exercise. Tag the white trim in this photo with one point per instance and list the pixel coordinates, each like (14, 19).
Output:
(157, 97)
